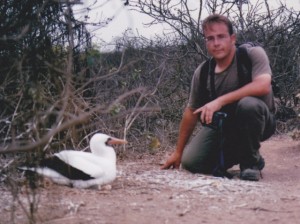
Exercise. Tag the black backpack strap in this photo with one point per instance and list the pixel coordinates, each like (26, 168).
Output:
(211, 72)
(244, 66)
(204, 73)
(208, 69)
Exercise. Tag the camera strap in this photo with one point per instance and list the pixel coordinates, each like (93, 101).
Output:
(220, 170)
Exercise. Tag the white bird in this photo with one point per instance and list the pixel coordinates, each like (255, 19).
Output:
(82, 169)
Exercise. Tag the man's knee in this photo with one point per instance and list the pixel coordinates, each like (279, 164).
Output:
(198, 164)
(189, 163)
(200, 153)
(253, 113)
(193, 167)
(250, 106)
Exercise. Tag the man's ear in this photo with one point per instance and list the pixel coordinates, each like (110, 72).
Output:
(233, 38)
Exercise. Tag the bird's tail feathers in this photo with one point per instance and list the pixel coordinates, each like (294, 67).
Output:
(26, 168)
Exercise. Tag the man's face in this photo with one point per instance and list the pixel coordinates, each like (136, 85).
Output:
(218, 40)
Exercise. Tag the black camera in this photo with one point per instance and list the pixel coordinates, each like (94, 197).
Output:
(217, 118)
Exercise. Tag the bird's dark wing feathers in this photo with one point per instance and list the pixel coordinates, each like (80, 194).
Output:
(65, 169)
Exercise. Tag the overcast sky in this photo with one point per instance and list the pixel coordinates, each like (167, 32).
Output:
(126, 19)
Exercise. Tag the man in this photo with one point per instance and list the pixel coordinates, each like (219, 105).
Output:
(249, 109)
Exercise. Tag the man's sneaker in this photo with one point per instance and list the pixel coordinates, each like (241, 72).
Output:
(250, 174)
(253, 173)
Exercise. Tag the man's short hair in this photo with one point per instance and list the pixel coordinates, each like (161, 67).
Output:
(216, 18)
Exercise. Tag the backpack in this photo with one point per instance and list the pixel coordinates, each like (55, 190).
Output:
(244, 69)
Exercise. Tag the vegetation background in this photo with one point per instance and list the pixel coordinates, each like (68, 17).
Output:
(57, 88)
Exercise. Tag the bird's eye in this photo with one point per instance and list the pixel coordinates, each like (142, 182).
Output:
(107, 142)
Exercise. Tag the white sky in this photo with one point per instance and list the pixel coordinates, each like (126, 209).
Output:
(126, 19)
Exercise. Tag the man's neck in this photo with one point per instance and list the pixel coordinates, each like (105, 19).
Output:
(224, 63)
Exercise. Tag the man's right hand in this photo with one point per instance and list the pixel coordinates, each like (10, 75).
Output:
(173, 161)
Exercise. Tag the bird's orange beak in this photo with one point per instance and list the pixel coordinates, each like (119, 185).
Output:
(116, 141)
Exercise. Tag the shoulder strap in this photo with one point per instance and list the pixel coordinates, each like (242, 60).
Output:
(244, 66)
(208, 69)
(211, 72)
(205, 97)
(204, 74)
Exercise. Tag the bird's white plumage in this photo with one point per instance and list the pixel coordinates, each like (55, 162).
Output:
(99, 164)
(89, 163)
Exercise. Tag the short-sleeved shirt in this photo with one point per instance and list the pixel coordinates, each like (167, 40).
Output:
(227, 81)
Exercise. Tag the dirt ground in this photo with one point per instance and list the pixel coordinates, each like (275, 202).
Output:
(143, 193)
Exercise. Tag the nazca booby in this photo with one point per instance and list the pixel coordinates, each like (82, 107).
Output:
(82, 169)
